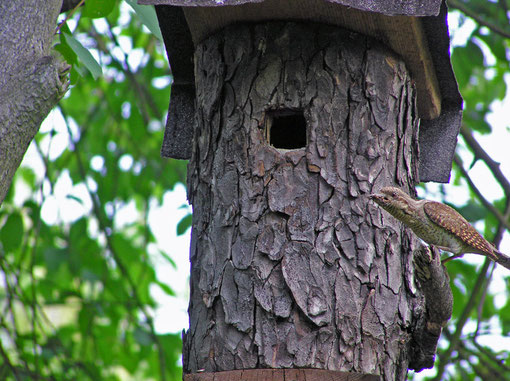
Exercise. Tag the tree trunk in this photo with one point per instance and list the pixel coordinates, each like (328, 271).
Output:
(31, 81)
(292, 266)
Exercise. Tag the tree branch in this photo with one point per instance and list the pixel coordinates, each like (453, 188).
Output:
(504, 6)
(73, 8)
(7, 361)
(480, 153)
(70, 4)
(455, 337)
(488, 205)
(31, 80)
(106, 229)
(491, 357)
(490, 368)
(445, 357)
(501, 258)
(479, 19)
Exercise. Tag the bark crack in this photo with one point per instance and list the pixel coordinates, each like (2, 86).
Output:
(307, 273)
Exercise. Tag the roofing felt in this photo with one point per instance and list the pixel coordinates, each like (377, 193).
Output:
(385, 7)
(438, 136)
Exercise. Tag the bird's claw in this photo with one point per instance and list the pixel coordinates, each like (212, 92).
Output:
(451, 257)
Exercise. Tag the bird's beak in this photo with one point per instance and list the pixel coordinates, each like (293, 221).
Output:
(376, 197)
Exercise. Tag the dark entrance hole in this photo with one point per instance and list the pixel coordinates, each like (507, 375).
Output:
(286, 129)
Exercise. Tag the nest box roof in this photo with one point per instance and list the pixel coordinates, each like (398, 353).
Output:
(415, 29)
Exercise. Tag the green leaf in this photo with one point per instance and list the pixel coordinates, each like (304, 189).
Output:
(495, 43)
(78, 233)
(476, 121)
(142, 336)
(473, 212)
(33, 210)
(171, 346)
(98, 8)
(67, 53)
(11, 234)
(166, 288)
(77, 72)
(505, 315)
(28, 176)
(54, 257)
(148, 16)
(168, 259)
(84, 55)
(77, 199)
(65, 29)
(82, 267)
(184, 224)
(465, 59)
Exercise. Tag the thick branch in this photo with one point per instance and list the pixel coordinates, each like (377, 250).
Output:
(31, 80)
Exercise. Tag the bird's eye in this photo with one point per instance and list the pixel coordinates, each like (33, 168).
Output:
(394, 194)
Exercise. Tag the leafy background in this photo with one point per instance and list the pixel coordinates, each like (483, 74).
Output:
(79, 278)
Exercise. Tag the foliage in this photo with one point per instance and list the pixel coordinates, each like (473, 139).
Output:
(76, 302)
(472, 347)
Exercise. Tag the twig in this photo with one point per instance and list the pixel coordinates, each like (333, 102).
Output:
(481, 302)
(491, 356)
(36, 232)
(120, 264)
(455, 337)
(140, 88)
(501, 219)
(504, 6)
(71, 12)
(477, 288)
(8, 362)
(10, 292)
(488, 367)
(480, 153)
(480, 20)
(501, 258)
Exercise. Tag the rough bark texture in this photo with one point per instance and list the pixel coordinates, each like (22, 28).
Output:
(435, 284)
(292, 266)
(31, 80)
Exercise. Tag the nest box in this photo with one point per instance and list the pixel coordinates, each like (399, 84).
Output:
(416, 30)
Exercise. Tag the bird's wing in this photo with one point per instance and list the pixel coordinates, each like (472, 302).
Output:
(451, 220)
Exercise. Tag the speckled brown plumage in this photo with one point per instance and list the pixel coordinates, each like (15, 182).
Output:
(451, 220)
(437, 224)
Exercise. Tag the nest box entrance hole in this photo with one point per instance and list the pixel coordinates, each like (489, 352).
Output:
(285, 129)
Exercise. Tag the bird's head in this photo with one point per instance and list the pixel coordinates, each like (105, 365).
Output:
(395, 201)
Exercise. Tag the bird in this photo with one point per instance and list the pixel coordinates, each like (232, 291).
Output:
(438, 225)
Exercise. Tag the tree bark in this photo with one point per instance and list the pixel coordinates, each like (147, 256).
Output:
(31, 80)
(292, 266)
